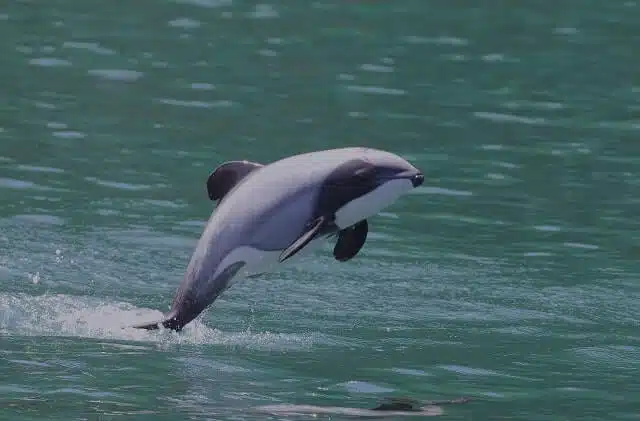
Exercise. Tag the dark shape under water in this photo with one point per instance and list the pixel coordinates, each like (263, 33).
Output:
(398, 404)
(390, 407)
(408, 404)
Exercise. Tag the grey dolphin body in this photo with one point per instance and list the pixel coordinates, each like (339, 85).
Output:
(391, 407)
(266, 214)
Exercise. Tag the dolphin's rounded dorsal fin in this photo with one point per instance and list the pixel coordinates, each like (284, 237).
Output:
(227, 176)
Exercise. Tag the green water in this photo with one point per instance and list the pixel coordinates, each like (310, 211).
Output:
(511, 276)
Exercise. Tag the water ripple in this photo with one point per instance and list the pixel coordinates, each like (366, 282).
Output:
(202, 86)
(93, 47)
(49, 62)
(195, 104)
(184, 23)
(34, 168)
(376, 68)
(264, 11)
(122, 75)
(41, 219)
(441, 191)
(69, 134)
(441, 40)
(355, 386)
(376, 90)
(118, 185)
(12, 183)
(618, 356)
(509, 118)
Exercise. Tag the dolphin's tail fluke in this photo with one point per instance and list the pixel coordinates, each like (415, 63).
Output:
(169, 321)
(149, 326)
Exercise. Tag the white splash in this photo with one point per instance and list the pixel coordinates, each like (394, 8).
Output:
(82, 316)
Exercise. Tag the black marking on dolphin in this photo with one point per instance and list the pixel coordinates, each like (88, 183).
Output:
(353, 179)
(350, 180)
(224, 178)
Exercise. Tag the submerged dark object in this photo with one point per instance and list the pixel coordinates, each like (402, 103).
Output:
(390, 407)
(399, 404)
(408, 404)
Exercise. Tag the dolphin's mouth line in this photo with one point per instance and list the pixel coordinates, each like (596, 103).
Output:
(397, 177)
(415, 178)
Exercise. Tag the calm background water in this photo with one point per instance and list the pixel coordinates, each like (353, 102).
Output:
(511, 276)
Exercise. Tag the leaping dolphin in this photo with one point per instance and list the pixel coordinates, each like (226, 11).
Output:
(267, 214)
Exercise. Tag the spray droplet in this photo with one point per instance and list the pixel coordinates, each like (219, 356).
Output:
(35, 278)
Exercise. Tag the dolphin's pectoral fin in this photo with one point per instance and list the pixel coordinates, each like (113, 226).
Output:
(350, 241)
(227, 175)
(314, 229)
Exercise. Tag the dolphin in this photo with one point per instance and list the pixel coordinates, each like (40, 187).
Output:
(391, 406)
(271, 214)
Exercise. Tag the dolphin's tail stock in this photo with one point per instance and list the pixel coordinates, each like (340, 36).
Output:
(169, 321)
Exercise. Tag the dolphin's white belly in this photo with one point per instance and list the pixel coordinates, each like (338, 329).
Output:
(371, 203)
(260, 261)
